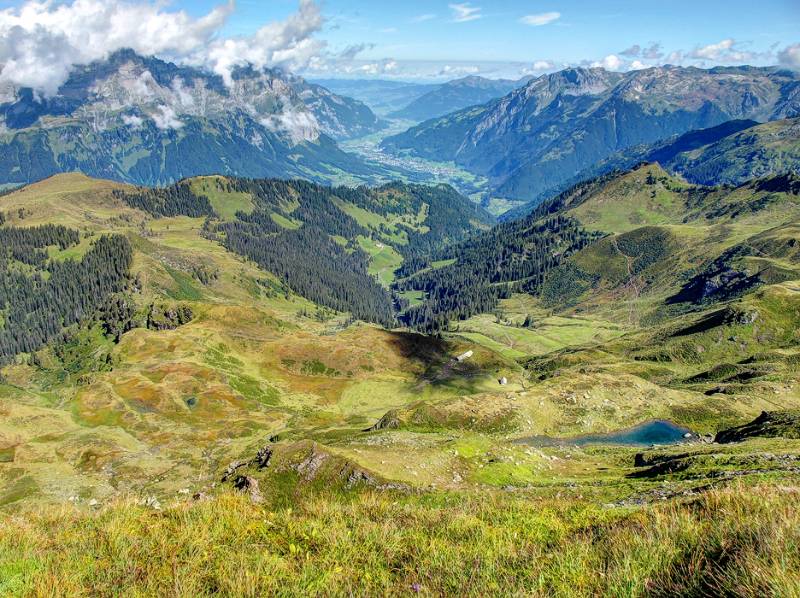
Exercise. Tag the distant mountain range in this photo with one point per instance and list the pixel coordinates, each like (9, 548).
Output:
(455, 95)
(729, 154)
(421, 102)
(383, 97)
(538, 138)
(146, 121)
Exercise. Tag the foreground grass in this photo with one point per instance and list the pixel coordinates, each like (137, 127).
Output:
(739, 541)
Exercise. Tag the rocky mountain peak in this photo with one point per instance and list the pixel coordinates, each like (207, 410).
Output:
(128, 89)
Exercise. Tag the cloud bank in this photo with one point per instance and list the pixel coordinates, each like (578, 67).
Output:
(42, 41)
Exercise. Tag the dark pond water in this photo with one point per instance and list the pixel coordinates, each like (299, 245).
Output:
(658, 431)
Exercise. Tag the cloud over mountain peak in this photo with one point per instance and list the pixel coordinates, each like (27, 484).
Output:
(41, 42)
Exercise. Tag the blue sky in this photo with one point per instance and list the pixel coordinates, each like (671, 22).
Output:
(498, 41)
(418, 39)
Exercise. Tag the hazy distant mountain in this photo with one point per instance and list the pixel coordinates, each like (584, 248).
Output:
(147, 121)
(383, 97)
(455, 95)
(536, 138)
(339, 116)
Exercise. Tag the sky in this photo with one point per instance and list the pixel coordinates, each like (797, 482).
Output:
(41, 40)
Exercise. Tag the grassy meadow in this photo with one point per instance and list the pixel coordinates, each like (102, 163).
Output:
(739, 541)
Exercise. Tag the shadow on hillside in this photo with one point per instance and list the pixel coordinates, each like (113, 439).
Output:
(436, 359)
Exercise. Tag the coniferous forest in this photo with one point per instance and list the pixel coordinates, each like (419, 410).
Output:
(321, 260)
(512, 256)
(39, 297)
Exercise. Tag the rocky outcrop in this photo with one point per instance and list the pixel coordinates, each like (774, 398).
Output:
(168, 318)
(770, 424)
(311, 463)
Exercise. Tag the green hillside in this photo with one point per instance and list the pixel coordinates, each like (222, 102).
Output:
(764, 150)
(222, 424)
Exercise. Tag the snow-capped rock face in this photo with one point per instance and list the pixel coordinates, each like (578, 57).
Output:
(128, 90)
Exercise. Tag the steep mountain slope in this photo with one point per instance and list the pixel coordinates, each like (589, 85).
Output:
(455, 95)
(661, 152)
(541, 135)
(571, 248)
(338, 116)
(731, 153)
(146, 121)
(383, 97)
(771, 148)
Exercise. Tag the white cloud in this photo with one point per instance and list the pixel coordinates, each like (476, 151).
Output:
(132, 120)
(382, 67)
(540, 19)
(41, 41)
(725, 51)
(465, 12)
(350, 52)
(634, 51)
(423, 18)
(674, 58)
(612, 62)
(790, 56)
(638, 65)
(538, 67)
(458, 71)
(299, 125)
(288, 43)
(166, 118)
(183, 94)
(653, 52)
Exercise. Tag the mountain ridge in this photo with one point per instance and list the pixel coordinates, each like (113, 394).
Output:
(559, 124)
(455, 95)
(144, 120)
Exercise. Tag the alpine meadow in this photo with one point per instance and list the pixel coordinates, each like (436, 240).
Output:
(431, 298)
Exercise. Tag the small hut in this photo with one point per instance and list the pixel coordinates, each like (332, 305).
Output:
(464, 356)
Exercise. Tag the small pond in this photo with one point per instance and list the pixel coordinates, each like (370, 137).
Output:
(658, 431)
